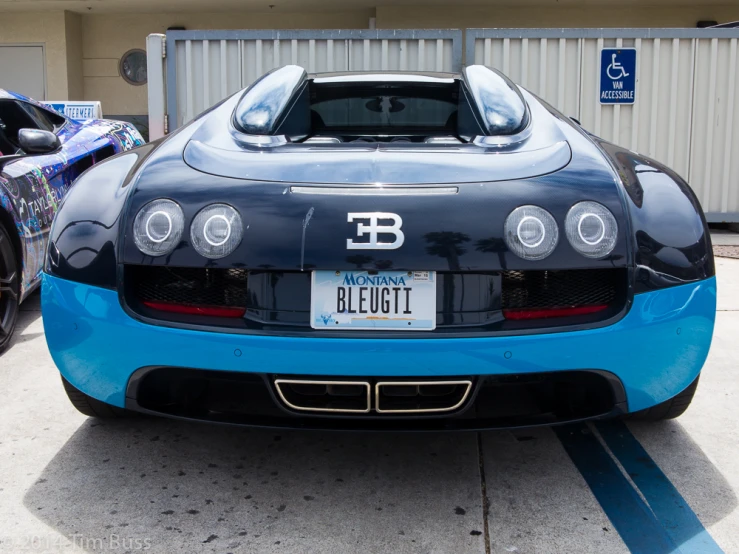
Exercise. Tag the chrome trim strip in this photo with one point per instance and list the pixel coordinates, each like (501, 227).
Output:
(417, 383)
(443, 140)
(382, 77)
(279, 382)
(500, 141)
(261, 141)
(376, 191)
(322, 140)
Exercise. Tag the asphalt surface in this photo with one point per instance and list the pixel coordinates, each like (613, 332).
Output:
(72, 484)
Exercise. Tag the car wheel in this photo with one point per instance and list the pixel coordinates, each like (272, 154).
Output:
(91, 406)
(669, 409)
(9, 289)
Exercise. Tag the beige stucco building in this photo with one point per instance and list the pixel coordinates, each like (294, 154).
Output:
(82, 42)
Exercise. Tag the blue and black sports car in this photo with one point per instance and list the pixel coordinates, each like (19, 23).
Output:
(380, 251)
(41, 154)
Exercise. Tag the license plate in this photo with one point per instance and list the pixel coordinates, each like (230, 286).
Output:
(382, 300)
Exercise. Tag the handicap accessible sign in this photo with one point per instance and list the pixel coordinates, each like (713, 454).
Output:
(617, 75)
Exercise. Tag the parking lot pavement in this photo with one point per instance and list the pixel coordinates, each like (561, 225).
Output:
(724, 238)
(70, 484)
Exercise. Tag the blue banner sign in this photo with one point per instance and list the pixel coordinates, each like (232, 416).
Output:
(76, 110)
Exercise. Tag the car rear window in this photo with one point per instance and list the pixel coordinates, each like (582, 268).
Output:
(392, 106)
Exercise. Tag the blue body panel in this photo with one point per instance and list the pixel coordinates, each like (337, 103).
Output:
(657, 349)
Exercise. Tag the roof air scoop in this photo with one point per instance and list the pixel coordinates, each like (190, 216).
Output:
(501, 104)
(260, 109)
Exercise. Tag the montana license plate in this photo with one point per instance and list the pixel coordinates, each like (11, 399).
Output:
(382, 300)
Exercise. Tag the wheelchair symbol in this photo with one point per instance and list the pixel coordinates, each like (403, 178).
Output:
(618, 70)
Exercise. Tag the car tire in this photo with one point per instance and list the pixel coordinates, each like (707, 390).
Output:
(92, 407)
(10, 279)
(669, 409)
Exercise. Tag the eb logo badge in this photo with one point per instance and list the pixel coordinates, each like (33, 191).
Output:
(374, 228)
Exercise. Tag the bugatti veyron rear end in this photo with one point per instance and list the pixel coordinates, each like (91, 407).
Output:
(380, 251)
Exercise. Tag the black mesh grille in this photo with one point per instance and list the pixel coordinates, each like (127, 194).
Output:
(195, 286)
(283, 298)
(559, 289)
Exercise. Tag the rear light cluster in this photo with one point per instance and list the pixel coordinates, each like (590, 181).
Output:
(531, 232)
(553, 312)
(212, 311)
(215, 232)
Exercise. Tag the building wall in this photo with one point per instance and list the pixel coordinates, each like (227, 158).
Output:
(105, 38)
(83, 50)
(47, 28)
(432, 17)
(73, 37)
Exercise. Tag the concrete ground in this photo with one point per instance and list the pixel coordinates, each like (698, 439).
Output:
(724, 237)
(725, 243)
(72, 484)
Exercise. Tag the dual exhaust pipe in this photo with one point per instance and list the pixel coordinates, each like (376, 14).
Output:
(362, 397)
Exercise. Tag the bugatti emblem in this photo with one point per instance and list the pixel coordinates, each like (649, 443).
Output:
(374, 229)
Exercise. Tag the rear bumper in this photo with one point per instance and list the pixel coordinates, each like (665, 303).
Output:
(480, 402)
(655, 351)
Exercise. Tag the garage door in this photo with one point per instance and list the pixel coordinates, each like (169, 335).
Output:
(22, 70)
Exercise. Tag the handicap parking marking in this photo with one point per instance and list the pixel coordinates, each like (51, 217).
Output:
(667, 504)
(629, 514)
(643, 505)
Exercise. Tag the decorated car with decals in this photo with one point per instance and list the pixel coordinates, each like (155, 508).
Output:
(41, 154)
(381, 251)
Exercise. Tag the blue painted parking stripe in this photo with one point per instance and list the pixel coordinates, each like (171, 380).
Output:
(632, 518)
(668, 506)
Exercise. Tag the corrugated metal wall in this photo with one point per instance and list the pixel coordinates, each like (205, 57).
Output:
(714, 155)
(207, 66)
(685, 114)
